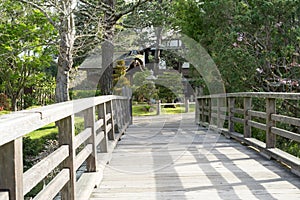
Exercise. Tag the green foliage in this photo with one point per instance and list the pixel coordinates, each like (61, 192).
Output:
(140, 77)
(149, 14)
(4, 112)
(34, 146)
(143, 90)
(253, 44)
(169, 85)
(78, 94)
(146, 92)
(119, 79)
(79, 125)
(24, 49)
(141, 110)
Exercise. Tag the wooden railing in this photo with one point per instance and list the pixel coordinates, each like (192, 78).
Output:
(101, 116)
(224, 112)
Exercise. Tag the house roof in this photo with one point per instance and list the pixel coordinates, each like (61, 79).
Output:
(94, 61)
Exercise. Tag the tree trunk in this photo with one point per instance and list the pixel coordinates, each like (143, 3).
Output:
(65, 57)
(106, 80)
(14, 103)
(157, 50)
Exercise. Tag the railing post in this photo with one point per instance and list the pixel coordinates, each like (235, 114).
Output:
(111, 133)
(209, 110)
(247, 117)
(197, 111)
(158, 107)
(102, 115)
(203, 118)
(231, 102)
(219, 113)
(89, 122)
(270, 109)
(130, 109)
(128, 106)
(127, 92)
(186, 103)
(66, 137)
(11, 169)
(120, 115)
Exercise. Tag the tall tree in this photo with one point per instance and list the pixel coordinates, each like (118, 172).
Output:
(255, 43)
(25, 48)
(111, 17)
(65, 23)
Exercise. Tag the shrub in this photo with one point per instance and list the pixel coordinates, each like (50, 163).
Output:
(4, 104)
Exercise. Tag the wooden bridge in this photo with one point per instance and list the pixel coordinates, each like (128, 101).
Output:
(158, 157)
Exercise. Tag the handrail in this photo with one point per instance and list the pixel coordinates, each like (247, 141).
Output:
(112, 111)
(214, 110)
(277, 95)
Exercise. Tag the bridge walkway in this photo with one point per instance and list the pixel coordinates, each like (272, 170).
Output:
(168, 157)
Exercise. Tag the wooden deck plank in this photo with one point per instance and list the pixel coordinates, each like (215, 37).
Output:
(169, 158)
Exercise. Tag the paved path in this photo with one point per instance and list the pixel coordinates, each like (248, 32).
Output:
(167, 157)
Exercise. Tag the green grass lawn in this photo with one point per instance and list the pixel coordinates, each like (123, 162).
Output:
(4, 112)
(44, 131)
(52, 129)
(140, 110)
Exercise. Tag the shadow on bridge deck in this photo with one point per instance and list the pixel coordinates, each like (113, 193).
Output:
(168, 157)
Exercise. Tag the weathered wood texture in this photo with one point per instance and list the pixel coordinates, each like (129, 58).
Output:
(167, 157)
(4, 196)
(11, 169)
(265, 121)
(73, 150)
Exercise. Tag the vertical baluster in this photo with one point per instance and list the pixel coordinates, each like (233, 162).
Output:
(197, 111)
(219, 121)
(66, 137)
(221, 112)
(231, 102)
(203, 116)
(118, 115)
(214, 112)
(111, 133)
(89, 122)
(158, 111)
(11, 169)
(130, 110)
(247, 117)
(127, 108)
(209, 104)
(270, 109)
(102, 115)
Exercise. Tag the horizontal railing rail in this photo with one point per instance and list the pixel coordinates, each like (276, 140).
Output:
(222, 113)
(102, 115)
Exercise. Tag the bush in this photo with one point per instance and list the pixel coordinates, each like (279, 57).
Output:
(78, 94)
(4, 103)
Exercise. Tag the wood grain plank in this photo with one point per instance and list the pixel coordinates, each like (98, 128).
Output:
(40, 170)
(82, 137)
(159, 163)
(4, 196)
(54, 186)
(83, 155)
